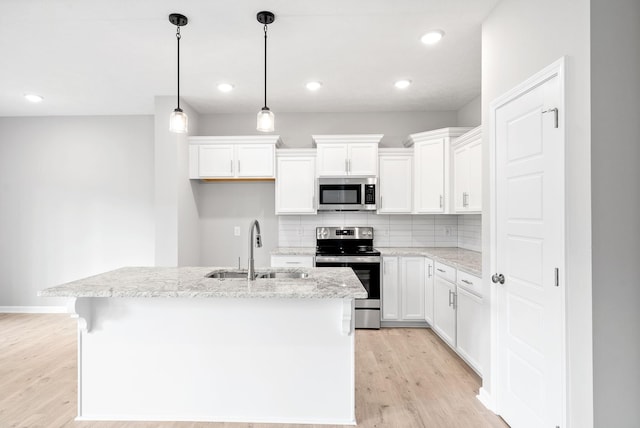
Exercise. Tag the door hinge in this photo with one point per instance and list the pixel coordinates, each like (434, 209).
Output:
(555, 111)
(557, 277)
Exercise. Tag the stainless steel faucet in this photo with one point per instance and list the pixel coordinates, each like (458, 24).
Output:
(252, 269)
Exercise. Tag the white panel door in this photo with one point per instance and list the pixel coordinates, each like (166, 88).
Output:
(412, 281)
(363, 159)
(255, 160)
(332, 159)
(216, 160)
(428, 291)
(444, 310)
(295, 185)
(396, 191)
(529, 174)
(390, 289)
(429, 174)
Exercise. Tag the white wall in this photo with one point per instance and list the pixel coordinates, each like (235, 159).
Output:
(177, 224)
(471, 113)
(76, 199)
(295, 129)
(519, 38)
(225, 205)
(615, 155)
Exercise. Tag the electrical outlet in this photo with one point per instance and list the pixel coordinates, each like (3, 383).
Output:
(236, 231)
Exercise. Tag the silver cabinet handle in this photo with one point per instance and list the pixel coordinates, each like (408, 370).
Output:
(497, 278)
(231, 166)
(292, 263)
(381, 206)
(429, 273)
(346, 166)
(465, 199)
(440, 270)
(441, 198)
(455, 299)
(467, 282)
(449, 297)
(238, 166)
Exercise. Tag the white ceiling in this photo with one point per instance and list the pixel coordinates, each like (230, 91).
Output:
(96, 57)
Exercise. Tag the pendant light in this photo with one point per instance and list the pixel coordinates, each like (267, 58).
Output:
(266, 119)
(178, 122)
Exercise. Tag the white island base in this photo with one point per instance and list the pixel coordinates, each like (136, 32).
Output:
(279, 360)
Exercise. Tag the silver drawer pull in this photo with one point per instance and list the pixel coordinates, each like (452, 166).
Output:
(440, 270)
(292, 263)
(467, 282)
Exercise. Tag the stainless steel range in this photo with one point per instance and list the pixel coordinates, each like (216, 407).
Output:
(353, 247)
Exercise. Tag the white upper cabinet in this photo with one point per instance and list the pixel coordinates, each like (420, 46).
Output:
(295, 181)
(431, 162)
(467, 177)
(395, 181)
(248, 157)
(347, 155)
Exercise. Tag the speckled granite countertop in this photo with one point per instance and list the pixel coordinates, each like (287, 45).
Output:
(466, 260)
(294, 251)
(322, 283)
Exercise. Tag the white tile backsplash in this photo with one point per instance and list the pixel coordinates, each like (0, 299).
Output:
(463, 231)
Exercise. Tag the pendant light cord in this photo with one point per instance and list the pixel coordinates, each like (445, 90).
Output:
(178, 36)
(265, 66)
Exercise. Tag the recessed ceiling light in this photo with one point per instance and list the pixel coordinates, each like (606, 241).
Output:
(402, 84)
(314, 86)
(34, 98)
(432, 37)
(225, 87)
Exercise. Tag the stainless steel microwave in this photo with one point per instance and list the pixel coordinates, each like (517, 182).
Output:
(347, 194)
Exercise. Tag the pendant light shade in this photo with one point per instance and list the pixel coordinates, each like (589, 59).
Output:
(178, 121)
(266, 118)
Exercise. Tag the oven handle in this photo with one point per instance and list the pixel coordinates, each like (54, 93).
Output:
(347, 259)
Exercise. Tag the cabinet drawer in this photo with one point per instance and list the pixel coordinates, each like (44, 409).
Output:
(470, 283)
(292, 261)
(446, 272)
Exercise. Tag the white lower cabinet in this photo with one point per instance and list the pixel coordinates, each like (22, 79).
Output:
(428, 291)
(292, 261)
(403, 287)
(470, 330)
(444, 310)
(457, 313)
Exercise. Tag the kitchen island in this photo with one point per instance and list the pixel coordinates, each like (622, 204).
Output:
(171, 344)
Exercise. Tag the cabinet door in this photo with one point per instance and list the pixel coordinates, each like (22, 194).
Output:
(332, 159)
(362, 159)
(396, 191)
(444, 312)
(295, 185)
(412, 288)
(216, 160)
(428, 291)
(460, 178)
(255, 160)
(470, 334)
(390, 289)
(429, 177)
(474, 154)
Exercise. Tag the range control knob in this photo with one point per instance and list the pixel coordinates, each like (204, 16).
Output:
(322, 233)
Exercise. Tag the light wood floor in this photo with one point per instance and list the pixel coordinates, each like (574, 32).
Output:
(404, 378)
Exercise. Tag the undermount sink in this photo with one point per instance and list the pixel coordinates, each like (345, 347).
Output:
(276, 274)
(242, 274)
(227, 274)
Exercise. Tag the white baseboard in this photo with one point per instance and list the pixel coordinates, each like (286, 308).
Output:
(33, 310)
(486, 399)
